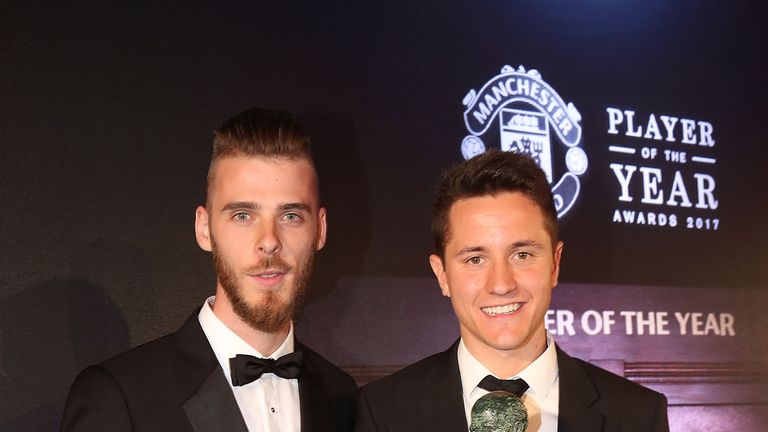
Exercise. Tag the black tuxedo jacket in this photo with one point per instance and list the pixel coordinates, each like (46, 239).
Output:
(175, 383)
(427, 396)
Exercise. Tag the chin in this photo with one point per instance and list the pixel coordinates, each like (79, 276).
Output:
(507, 342)
(260, 301)
(505, 346)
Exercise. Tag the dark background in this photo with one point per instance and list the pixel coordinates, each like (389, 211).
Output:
(106, 115)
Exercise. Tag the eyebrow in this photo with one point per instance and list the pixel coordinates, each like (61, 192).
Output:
(515, 245)
(526, 243)
(470, 249)
(294, 206)
(241, 205)
(252, 205)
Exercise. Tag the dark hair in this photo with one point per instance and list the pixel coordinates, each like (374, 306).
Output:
(491, 173)
(259, 132)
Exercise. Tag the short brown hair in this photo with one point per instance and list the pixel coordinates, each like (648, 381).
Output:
(491, 173)
(260, 132)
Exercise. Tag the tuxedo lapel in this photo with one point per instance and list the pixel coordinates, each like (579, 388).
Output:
(210, 404)
(445, 410)
(214, 408)
(314, 404)
(577, 394)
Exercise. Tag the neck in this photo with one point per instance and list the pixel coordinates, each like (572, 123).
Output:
(264, 342)
(507, 363)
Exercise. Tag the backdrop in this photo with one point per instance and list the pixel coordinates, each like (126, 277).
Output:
(649, 118)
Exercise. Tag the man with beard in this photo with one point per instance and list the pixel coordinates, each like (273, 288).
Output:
(235, 365)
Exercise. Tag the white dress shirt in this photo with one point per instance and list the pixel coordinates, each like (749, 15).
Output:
(541, 399)
(270, 403)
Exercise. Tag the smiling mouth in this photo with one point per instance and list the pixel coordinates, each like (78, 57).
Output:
(501, 310)
(269, 275)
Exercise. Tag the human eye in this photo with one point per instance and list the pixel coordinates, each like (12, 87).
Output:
(293, 217)
(522, 255)
(474, 260)
(241, 216)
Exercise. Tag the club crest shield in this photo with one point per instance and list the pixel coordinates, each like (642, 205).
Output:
(527, 109)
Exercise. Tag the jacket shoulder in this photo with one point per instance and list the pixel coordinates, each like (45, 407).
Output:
(409, 377)
(139, 359)
(153, 367)
(113, 394)
(330, 375)
(95, 400)
(616, 386)
(625, 405)
(180, 360)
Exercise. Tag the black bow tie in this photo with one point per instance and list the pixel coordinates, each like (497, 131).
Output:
(246, 368)
(516, 386)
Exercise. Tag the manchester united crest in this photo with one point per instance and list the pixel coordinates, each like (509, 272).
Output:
(527, 110)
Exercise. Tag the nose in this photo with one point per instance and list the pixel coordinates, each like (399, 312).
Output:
(501, 280)
(268, 241)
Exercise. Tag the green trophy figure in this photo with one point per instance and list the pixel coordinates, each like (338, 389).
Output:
(499, 411)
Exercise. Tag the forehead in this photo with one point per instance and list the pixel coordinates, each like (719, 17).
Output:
(505, 215)
(260, 179)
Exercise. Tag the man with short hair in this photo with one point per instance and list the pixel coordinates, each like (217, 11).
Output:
(235, 364)
(495, 229)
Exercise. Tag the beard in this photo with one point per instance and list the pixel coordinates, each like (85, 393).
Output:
(271, 312)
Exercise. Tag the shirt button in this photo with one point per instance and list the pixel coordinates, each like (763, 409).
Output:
(272, 410)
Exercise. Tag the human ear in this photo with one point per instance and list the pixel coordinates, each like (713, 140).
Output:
(437, 267)
(556, 263)
(322, 229)
(202, 228)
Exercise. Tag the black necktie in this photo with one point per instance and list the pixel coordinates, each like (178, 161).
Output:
(246, 368)
(516, 386)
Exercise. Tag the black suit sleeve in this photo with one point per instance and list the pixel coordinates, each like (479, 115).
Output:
(95, 403)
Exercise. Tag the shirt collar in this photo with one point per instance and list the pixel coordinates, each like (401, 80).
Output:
(540, 375)
(226, 344)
